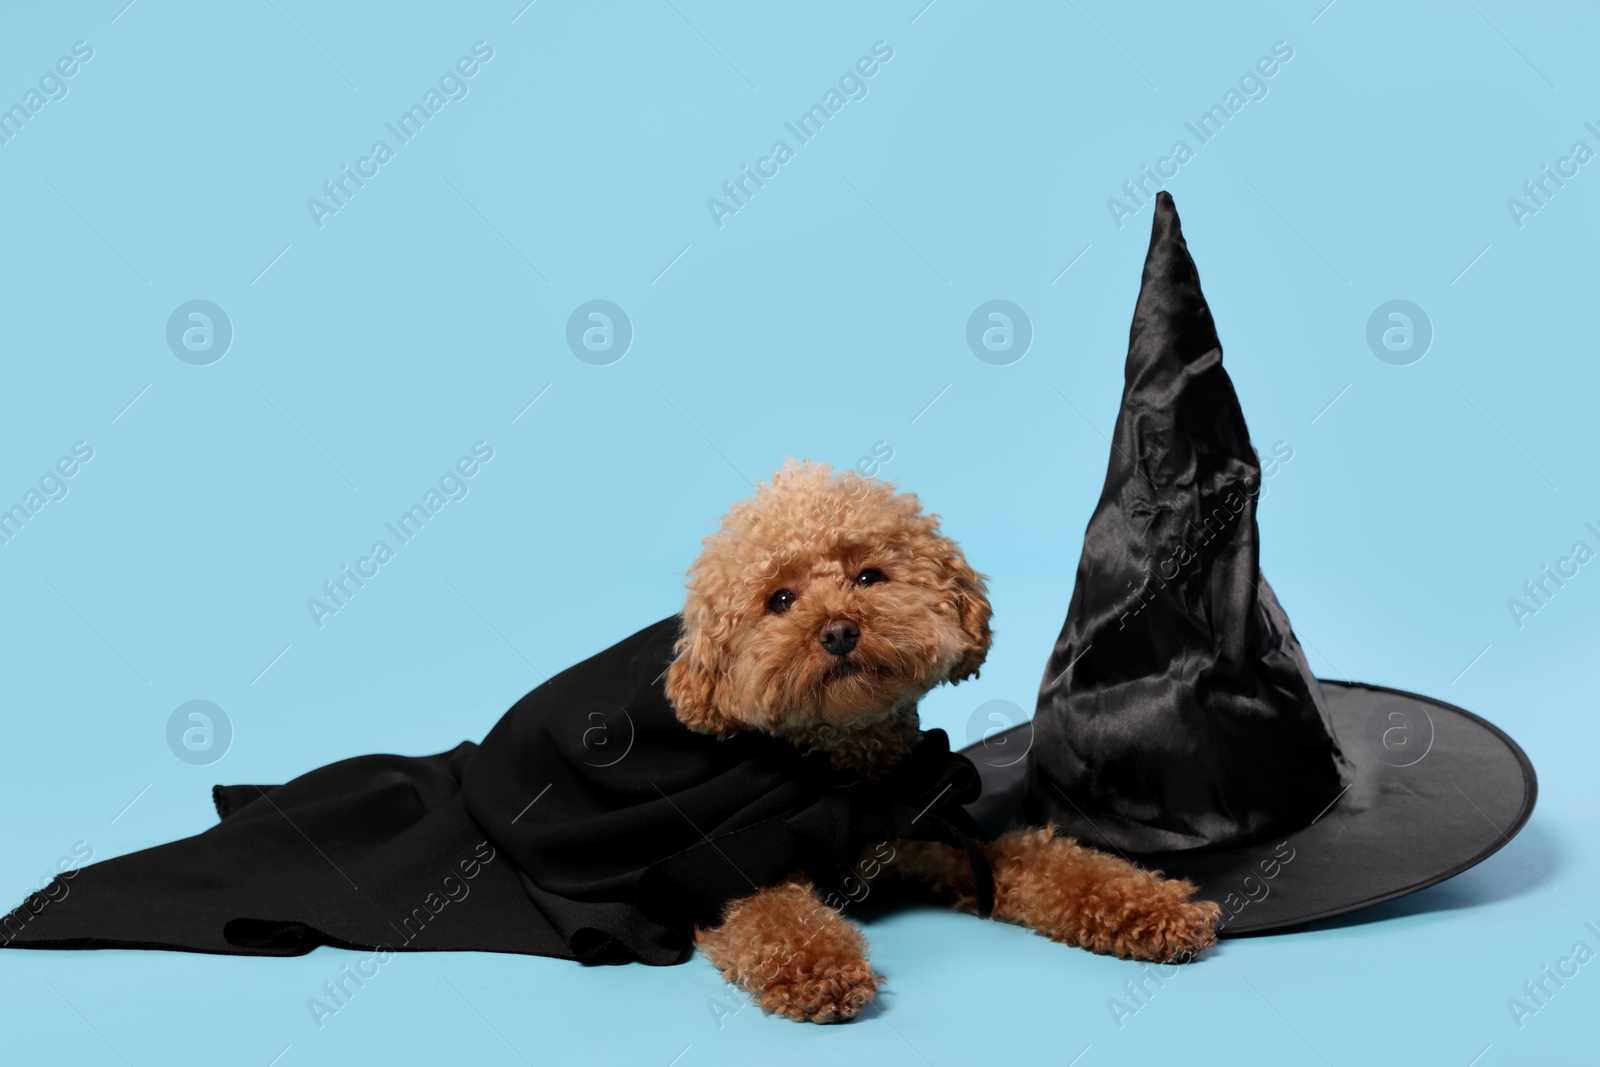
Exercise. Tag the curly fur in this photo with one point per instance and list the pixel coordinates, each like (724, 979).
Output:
(801, 958)
(1073, 894)
(740, 665)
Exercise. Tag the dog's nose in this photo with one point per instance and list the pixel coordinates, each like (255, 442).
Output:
(840, 636)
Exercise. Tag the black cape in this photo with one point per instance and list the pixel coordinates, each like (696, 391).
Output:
(590, 825)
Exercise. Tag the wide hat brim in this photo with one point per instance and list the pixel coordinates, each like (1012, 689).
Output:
(1433, 790)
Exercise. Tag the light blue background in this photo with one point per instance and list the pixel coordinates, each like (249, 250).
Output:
(820, 320)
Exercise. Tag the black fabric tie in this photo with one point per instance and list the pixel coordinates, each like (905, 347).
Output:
(963, 830)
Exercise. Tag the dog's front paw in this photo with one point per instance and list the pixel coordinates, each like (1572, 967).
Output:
(799, 957)
(821, 991)
(1169, 931)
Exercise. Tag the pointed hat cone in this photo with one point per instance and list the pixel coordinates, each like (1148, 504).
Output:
(1178, 722)
(1177, 710)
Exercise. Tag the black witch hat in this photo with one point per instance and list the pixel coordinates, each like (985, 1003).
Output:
(1179, 723)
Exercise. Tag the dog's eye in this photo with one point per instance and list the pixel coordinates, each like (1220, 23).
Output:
(870, 577)
(779, 602)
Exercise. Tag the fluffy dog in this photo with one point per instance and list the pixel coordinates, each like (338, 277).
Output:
(821, 612)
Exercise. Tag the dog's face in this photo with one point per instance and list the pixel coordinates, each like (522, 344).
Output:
(826, 600)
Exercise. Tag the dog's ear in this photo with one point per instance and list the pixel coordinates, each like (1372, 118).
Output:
(972, 606)
(695, 680)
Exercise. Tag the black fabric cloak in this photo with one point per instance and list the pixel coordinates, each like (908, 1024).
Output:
(590, 825)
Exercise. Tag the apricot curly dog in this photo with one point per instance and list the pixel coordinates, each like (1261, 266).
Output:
(821, 612)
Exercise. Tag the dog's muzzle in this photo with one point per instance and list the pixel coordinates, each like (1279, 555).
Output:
(839, 637)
